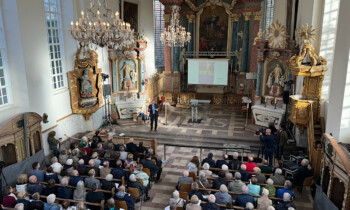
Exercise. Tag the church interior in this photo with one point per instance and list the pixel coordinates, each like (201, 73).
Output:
(174, 104)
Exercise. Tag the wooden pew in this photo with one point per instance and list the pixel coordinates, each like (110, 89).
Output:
(88, 189)
(261, 185)
(234, 193)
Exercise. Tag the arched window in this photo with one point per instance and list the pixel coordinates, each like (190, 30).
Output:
(9, 154)
(337, 193)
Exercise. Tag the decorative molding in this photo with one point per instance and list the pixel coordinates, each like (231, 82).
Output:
(50, 128)
(191, 18)
(235, 17)
(257, 15)
(247, 15)
(167, 18)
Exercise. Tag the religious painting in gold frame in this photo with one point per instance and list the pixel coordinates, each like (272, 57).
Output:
(213, 26)
(128, 74)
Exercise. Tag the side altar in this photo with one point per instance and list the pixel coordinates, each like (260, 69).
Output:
(127, 70)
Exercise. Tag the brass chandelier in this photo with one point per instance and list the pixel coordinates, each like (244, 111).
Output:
(99, 30)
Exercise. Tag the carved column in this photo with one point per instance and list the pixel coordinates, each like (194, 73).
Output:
(191, 22)
(167, 50)
(245, 45)
(235, 29)
(253, 52)
(142, 71)
(258, 77)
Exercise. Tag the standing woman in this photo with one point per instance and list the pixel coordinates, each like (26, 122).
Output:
(53, 142)
(193, 165)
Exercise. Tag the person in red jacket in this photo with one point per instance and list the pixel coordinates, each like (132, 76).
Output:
(9, 199)
(250, 165)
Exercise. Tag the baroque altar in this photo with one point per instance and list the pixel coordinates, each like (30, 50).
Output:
(272, 74)
(127, 70)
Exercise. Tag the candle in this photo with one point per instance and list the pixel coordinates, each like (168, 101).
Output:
(71, 25)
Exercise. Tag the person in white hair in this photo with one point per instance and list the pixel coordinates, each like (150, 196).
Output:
(91, 180)
(176, 201)
(141, 175)
(50, 203)
(271, 208)
(228, 176)
(211, 205)
(291, 208)
(244, 198)
(206, 167)
(278, 179)
(269, 186)
(222, 197)
(224, 168)
(107, 184)
(244, 174)
(260, 177)
(264, 201)
(301, 174)
(286, 203)
(69, 166)
(193, 205)
(80, 192)
(249, 206)
(184, 179)
(135, 184)
(236, 185)
(203, 182)
(84, 142)
(64, 191)
(56, 166)
(235, 164)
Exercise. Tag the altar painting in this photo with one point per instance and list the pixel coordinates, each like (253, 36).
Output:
(213, 27)
(274, 77)
(127, 74)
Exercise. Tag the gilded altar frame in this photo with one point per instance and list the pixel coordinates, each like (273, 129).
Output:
(136, 69)
(265, 70)
(80, 65)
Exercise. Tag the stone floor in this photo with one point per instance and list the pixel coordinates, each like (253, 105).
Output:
(177, 159)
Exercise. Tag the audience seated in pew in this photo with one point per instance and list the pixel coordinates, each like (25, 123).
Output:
(286, 203)
(92, 166)
(36, 203)
(219, 163)
(244, 198)
(254, 189)
(64, 191)
(81, 167)
(236, 185)
(228, 176)
(206, 170)
(105, 170)
(286, 189)
(129, 162)
(92, 180)
(33, 186)
(107, 184)
(195, 191)
(108, 142)
(224, 168)
(84, 156)
(264, 201)
(63, 157)
(118, 171)
(209, 160)
(176, 201)
(99, 150)
(269, 186)
(280, 166)
(141, 175)
(202, 180)
(152, 166)
(21, 198)
(222, 197)
(278, 179)
(235, 164)
(249, 206)
(141, 148)
(110, 204)
(260, 177)
(56, 166)
(193, 205)
(221, 180)
(9, 199)
(135, 184)
(37, 172)
(211, 205)
(75, 156)
(250, 164)
(21, 183)
(131, 147)
(193, 165)
(50, 203)
(302, 173)
(265, 168)
(184, 179)
(69, 166)
(94, 196)
(63, 174)
(123, 153)
(84, 142)
(122, 196)
(73, 181)
(244, 174)
(51, 188)
(96, 158)
(80, 192)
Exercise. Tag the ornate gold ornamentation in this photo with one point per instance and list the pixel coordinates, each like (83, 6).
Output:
(191, 18)
(167, 18)
(212, 3)
(277, 36)
(305, 34)
(235, 17)
(218, 99)
(247, 15)
(257, 15)
(191, 5)
(74, 82)
(314, 58)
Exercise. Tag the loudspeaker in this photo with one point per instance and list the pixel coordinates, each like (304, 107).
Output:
(106, 90)
(286, 97)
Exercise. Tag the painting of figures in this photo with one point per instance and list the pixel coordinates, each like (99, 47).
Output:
(213, 29)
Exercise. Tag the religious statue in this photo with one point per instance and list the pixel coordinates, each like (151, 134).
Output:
(128, 76)
(182, 59)
(86, 85)
(126, 69)
(133, 77)
(276, 80)
(259, 36)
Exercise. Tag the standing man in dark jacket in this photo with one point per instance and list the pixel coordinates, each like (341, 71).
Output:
(268, 140)
(153, 112)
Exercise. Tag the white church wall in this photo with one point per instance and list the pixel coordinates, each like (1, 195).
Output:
(280, 11)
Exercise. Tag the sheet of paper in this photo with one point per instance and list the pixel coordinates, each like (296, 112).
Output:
(167, 208)
(116, 185)
(206, 196)
(199, 202)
